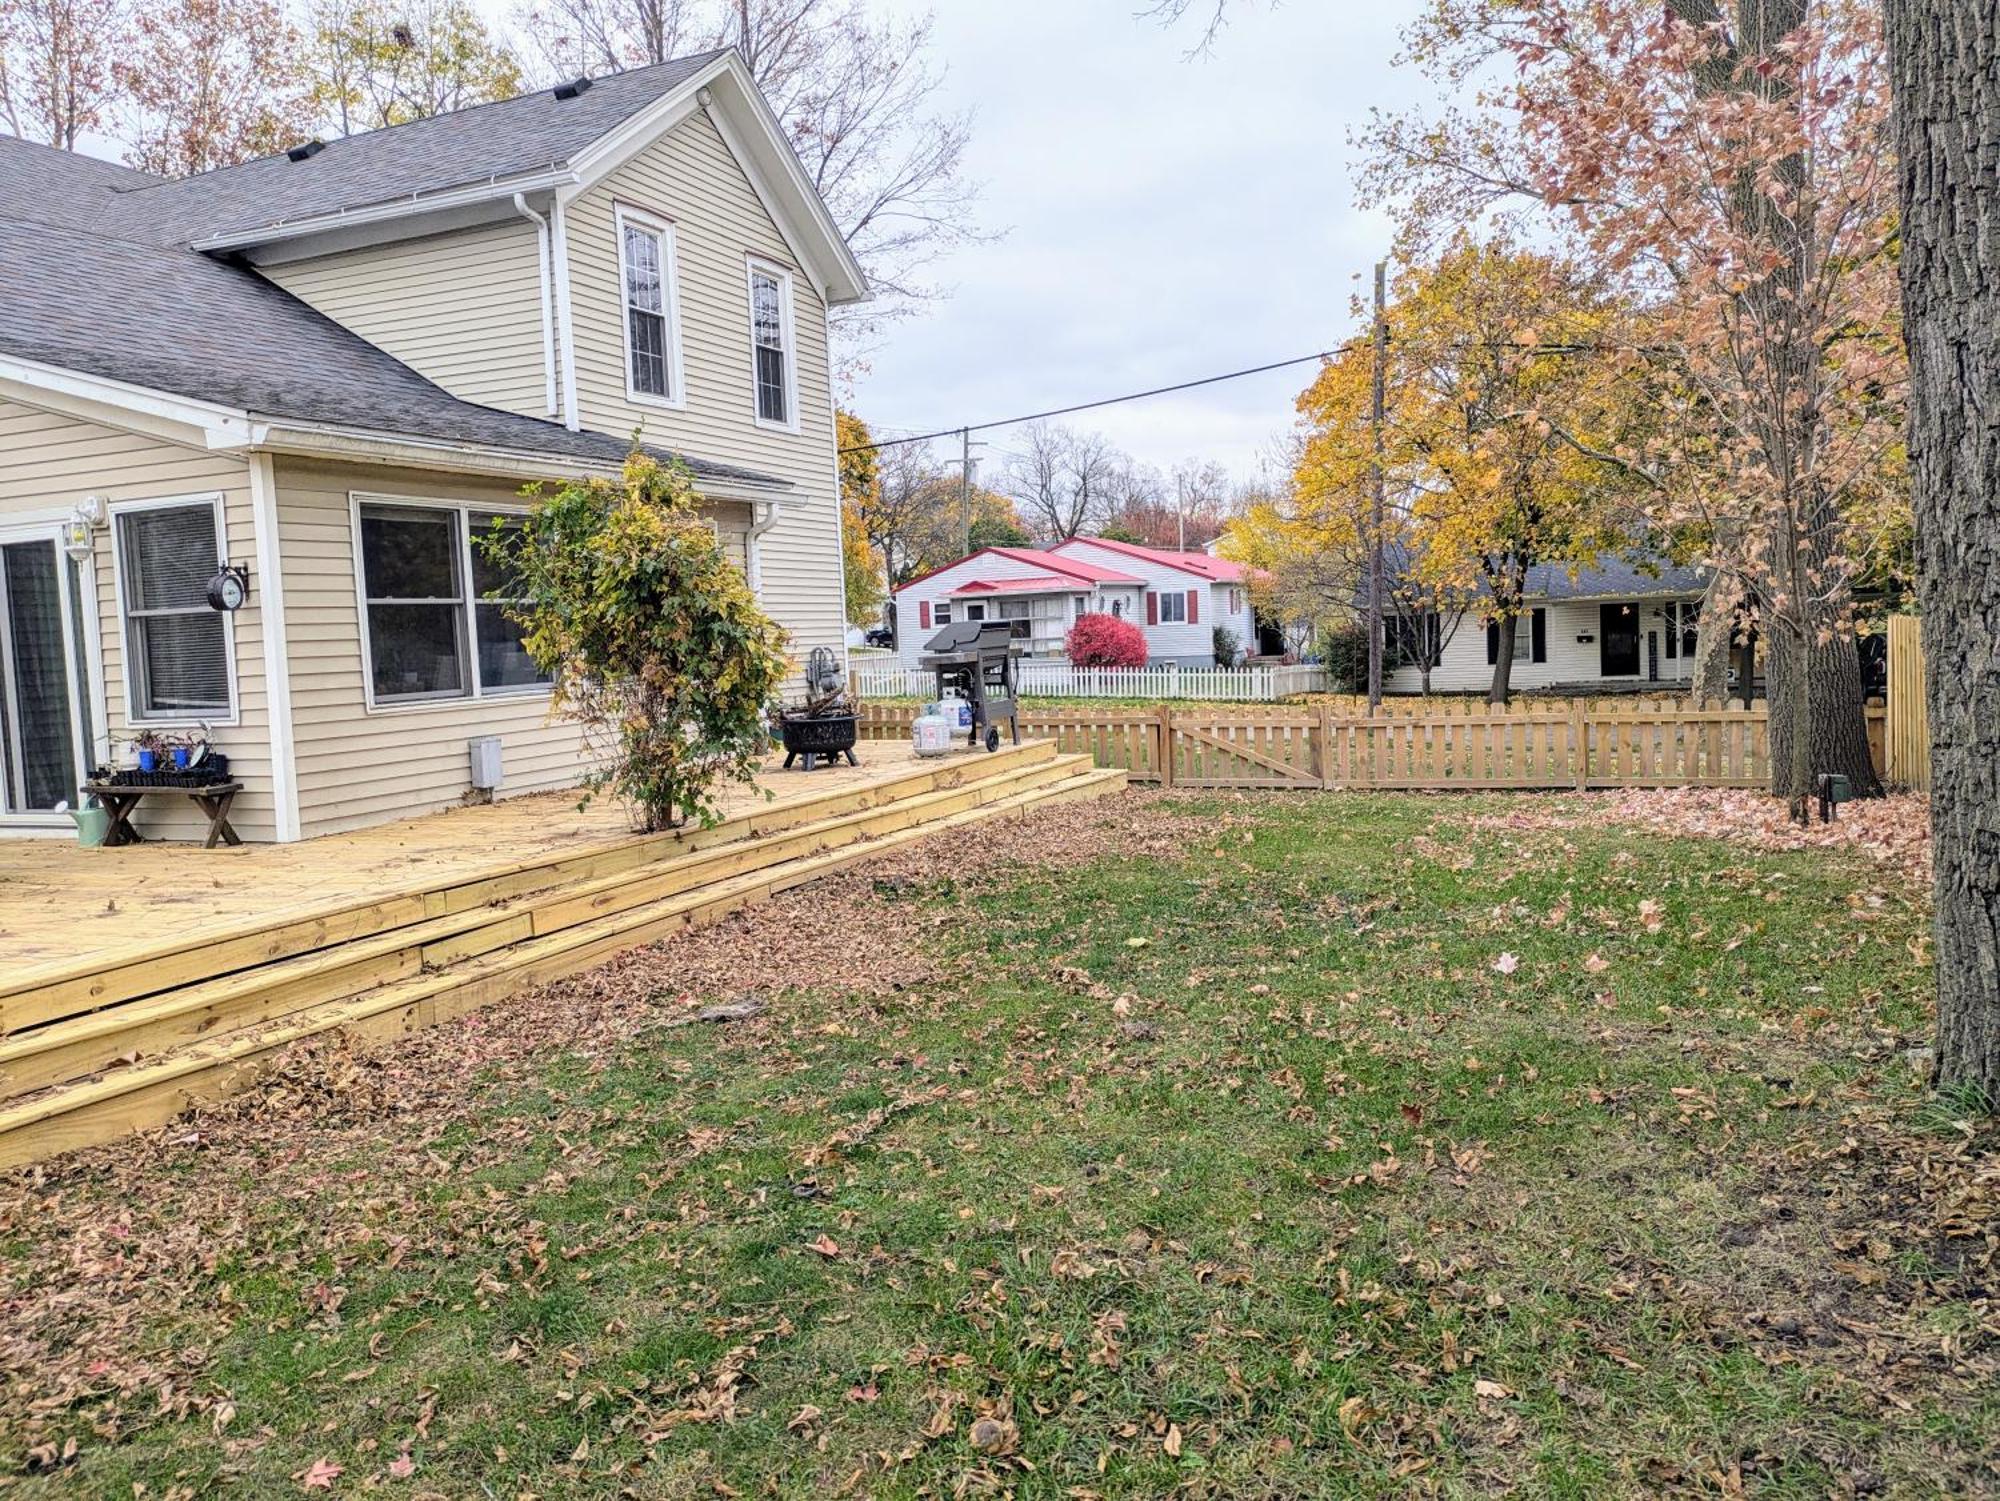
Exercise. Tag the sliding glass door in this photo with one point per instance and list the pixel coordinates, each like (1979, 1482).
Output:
(43, 723)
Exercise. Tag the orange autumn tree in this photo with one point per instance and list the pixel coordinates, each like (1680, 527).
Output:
(1495, 352)
(1727, 165)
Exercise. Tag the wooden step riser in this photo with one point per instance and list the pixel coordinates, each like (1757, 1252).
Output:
(38, 1003)
(155, 1097)
(65, 1052)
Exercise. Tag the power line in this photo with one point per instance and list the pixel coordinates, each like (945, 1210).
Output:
(1109, 401)
(1210, 380)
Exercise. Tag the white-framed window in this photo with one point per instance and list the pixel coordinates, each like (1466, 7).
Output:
(941, 613)
(180, 662)
(1173, 608)
(434, 620)
(1524, 638)
(773, 363)
(1235, 601)
(649, 283)
(976, 611)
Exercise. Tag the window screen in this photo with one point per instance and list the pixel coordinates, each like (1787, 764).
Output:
(410, 561)
(772, 341)
(646, 309)
(178, 644)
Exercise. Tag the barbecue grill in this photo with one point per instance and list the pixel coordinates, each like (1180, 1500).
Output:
(977, 658)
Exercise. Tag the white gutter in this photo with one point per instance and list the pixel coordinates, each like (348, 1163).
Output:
(484, 191)
(548, 321)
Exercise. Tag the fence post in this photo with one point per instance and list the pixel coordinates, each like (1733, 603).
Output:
(1579, 744)
(1165, 760)
(1325, 759)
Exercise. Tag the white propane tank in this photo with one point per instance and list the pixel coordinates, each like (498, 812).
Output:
(931, 734)
(957, 709)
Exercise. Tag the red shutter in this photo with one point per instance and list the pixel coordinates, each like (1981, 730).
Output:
(1152, 608)
(1194, 608)
(924, 616)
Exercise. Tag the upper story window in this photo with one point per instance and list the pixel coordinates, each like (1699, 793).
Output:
(428, 635)
(176, 644)
(652, 309)
(771, 345)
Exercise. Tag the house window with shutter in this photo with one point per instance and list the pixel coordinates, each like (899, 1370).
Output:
(1173, 608)
(771, 345)
(177, 647)
(652, 309)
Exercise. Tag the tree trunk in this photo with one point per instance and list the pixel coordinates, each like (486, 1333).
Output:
(1946, 61)
(1839, 716)
(1783, 706)
(1709, 677)
(1503, 663)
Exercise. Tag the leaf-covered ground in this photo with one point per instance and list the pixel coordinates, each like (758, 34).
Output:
(1257, 1146)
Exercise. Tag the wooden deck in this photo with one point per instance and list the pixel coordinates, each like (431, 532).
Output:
(61, 905)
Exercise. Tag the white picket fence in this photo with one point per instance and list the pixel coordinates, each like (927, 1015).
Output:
(1054, 679)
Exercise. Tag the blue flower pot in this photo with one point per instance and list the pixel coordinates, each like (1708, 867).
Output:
(148, 761)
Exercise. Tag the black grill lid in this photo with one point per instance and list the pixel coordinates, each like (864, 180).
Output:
(969, 637)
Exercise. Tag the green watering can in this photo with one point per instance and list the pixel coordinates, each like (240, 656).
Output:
(93, 822)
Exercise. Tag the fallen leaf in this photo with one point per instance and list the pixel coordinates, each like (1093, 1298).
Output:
(1596, 964)
(321, 1475)
(402, 1467)
(1173, 1443)
(1507, 964)
(1491, 1389)
(825, 1244)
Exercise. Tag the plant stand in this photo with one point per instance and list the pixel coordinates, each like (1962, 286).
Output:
(120, 801)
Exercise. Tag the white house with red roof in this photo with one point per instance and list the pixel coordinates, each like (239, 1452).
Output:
(1176, 598)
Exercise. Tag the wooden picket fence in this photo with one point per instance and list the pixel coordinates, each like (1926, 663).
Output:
(1906, 732)
(1318, 748)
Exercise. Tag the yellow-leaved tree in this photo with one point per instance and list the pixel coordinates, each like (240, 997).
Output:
(860, 496)
(1498, 358)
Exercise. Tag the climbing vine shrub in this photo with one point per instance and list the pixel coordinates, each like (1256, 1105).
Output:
(653, 639)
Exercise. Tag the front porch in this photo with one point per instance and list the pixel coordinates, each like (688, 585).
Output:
(136, 981)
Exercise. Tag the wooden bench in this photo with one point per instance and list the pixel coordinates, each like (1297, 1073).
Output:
(121, 800)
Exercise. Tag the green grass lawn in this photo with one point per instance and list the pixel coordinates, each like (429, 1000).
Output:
(1370, 1146)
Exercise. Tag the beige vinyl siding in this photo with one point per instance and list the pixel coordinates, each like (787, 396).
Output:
(464, 309)
(50, 461)
(690, 179)
(359, 766)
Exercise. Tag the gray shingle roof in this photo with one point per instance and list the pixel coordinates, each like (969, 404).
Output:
(502, 139)
(145, 309)
(1607, 578)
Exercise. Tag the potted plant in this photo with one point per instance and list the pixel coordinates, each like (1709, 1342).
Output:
(150, 746)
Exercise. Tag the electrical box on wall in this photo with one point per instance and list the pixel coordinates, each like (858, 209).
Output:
(485, 755)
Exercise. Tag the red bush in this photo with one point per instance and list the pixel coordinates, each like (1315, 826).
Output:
(1105, 641)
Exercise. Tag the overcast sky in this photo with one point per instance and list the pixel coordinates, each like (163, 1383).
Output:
(1164, 219)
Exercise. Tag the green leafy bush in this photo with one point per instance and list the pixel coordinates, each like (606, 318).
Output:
(655, 643)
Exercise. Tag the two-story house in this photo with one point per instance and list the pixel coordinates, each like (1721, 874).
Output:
(331, 368)
(1178, 599)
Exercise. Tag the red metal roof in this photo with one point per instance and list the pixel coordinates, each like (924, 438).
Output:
(1077, 568)
(1200, 564)
(1039, 583)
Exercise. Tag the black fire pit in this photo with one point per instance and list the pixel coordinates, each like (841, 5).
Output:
(822, 739)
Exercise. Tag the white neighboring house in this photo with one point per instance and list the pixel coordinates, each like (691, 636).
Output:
(1177, 599)
(1614, 624)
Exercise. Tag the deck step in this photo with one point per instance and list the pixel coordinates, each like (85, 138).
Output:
(153, 1090)
(52, 994)
(127, 1033)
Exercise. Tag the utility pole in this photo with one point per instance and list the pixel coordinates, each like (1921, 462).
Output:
(965, 488)
(1180, 511)
(1375, 524)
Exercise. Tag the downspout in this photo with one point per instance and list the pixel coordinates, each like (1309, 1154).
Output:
(548, 316)
(565, 328)
(763, 516)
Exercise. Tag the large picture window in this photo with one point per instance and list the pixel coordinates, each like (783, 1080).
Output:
(652, 332)
(177, 646)
(437, 606)
(771, 343)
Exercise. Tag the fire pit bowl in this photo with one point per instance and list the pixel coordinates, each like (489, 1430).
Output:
(822, 739)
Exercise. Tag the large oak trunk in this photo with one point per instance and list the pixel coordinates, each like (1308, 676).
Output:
(1947, 76)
